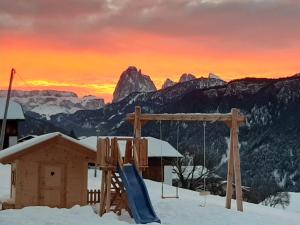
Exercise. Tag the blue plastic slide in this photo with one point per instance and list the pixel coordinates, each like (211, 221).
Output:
(138, 197)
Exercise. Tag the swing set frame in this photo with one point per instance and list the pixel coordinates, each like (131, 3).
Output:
(233, 120)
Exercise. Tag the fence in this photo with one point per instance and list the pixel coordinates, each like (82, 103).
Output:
(93, 196)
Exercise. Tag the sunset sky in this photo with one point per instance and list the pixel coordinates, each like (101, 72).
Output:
(84, 45)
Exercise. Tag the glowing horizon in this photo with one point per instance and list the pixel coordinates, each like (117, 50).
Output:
(84, 46)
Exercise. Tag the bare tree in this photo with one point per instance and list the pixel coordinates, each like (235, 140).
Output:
(191, 172)
(280, 198)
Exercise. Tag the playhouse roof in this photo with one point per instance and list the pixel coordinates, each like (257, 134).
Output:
(156, 147)
(23, 146)
(15, 111)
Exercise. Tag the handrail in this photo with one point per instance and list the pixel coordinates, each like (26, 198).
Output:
(109, 154)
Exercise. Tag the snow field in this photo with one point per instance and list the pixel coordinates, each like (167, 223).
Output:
(185, 210)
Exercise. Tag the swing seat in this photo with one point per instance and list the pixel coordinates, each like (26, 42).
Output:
(204, 193)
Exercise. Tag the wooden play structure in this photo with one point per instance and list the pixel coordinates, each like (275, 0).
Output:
(233, 120)
(122, 186)
(48, 170)
(113, 195)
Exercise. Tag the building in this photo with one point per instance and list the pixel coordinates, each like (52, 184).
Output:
(14, 116)
(157, 150)
(48, 170)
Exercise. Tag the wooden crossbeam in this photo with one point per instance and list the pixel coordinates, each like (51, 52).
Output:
(212, 117)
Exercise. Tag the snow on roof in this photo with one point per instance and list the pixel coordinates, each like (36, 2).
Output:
(154, 146)
(15, 111)
(23, 146)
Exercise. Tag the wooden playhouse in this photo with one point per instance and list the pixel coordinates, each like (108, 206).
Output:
(48, 170)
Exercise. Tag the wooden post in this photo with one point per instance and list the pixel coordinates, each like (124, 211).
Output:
(103, 193)
(108, 191)
(137, 134)
(236, 161)
(3, 126)
(230, 173)
(128, 152)
(137, 122)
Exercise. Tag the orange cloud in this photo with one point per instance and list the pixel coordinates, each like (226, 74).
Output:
(93, 72)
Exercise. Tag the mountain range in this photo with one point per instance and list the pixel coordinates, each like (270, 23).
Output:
(50, 102)
(269, 142)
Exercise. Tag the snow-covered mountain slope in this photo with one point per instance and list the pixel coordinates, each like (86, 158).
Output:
(50, 102)
(132, 80)
(185, 210)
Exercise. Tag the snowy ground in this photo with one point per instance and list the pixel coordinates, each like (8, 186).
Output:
(185, 210)
(294, 205)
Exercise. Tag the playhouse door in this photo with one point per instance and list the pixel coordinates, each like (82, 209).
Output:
(52, 185)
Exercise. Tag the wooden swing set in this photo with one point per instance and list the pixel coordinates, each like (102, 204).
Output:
(233, 120)
(113, 194)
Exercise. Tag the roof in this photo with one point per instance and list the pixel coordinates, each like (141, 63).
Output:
(23, 146)
(156, 147)
(15, 111)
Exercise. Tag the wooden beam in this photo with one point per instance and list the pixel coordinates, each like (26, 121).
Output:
(236, 161)
(102, 193)
(230, 173)
(137, 122)
(108, 191)
(124, 138)
(209, 117)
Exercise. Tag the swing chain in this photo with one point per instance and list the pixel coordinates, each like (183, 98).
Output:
(204, 153)
(161, 163)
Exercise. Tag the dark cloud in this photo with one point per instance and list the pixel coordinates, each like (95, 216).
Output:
(260, 24)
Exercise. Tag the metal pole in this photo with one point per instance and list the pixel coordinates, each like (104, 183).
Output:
(204, 156)
(161, 162)
(177, 159)
(3, 127)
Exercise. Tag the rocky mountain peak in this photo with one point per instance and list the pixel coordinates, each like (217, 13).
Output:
(213, 76)
(168, 83)
(186, 77)
(132, 80)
